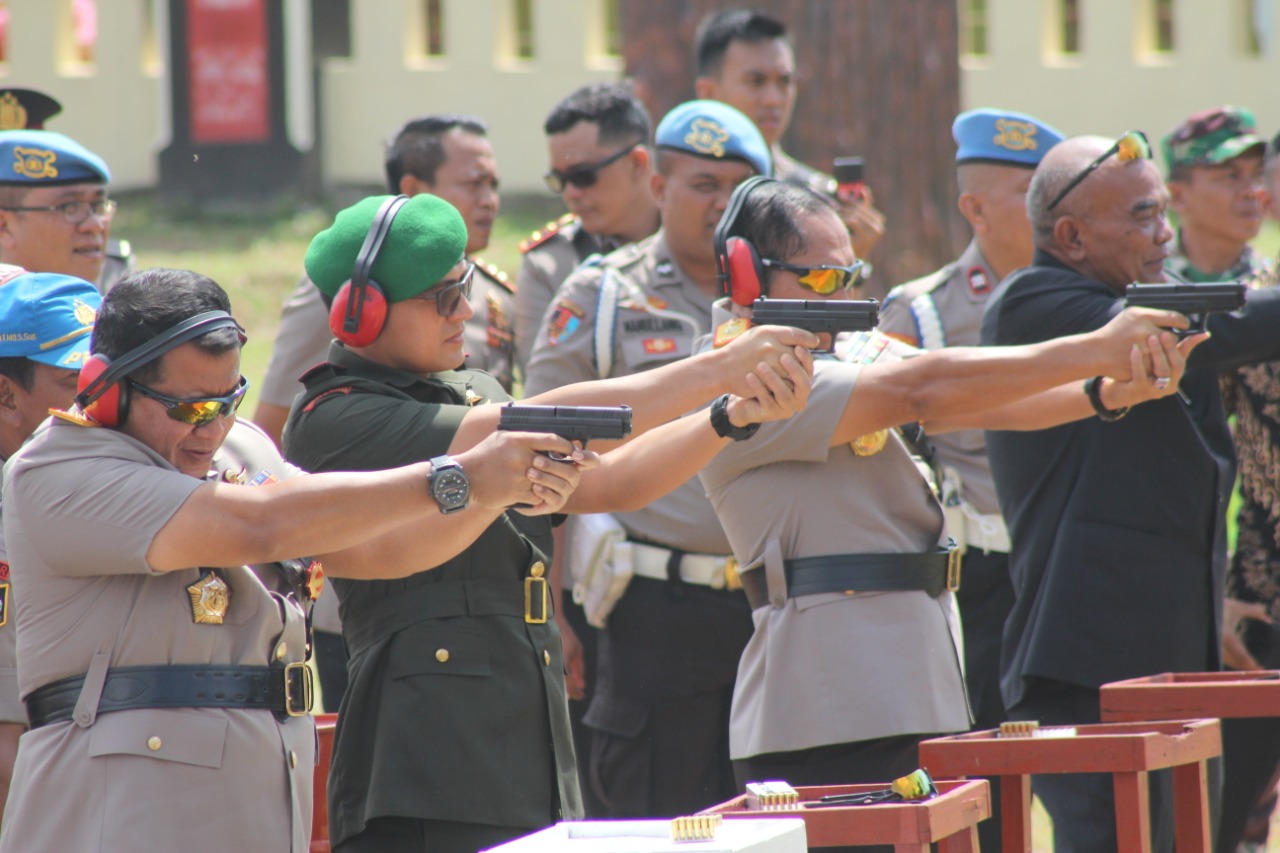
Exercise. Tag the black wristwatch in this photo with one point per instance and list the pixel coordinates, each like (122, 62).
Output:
(448, 484)
(723, 426)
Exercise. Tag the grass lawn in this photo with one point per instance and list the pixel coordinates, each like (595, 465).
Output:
(258, 259)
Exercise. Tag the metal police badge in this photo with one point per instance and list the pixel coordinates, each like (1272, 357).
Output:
(35, 162)
(210, 598)
(707, 137)
(1015, 135)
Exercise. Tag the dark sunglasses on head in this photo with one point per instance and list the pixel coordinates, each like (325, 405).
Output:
(823, 279)
(196, 411)
(1132, 146)
(449, 296)
(582, 176)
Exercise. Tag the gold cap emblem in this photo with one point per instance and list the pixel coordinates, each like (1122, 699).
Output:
(35, 162)
(707, 137)
(13, 115)
(1015, 135)
(84, 313)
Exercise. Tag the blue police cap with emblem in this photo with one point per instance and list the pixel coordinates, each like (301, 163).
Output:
(1003, 138)
(45, 158)
(714, 130)
(46, 317)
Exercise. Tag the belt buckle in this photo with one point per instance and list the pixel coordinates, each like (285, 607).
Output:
(535, 585)
(732, 577)
(307, 689)
(953, 569)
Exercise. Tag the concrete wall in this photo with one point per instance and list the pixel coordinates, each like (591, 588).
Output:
(118, 107)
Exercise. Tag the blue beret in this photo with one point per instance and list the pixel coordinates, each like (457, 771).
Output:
(44, 158)
(1003, 138)
(46, 317)
(714, 130)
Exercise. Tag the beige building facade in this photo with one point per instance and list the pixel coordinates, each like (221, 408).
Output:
(1087, 66)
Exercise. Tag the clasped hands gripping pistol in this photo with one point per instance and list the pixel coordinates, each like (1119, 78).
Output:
(820, 316)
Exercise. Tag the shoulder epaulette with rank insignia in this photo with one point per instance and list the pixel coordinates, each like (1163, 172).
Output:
(546, 232)
(494, 274)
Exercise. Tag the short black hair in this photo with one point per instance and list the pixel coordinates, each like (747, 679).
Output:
(416, 148)
(145, 304)
(720, 29)
(20, 369)
(770, 220)
(612, 107)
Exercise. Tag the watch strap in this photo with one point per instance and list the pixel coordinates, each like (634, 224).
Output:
(723, 426)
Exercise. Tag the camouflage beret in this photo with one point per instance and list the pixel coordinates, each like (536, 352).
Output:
(427, 238)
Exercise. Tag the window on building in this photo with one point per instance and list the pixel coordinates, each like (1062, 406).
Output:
(1162, 26)
(973, 23)
(77, 32)
(4, 30)
(433, 21)
(1068, 26)
(1254, 17)
(149, 61)
(522, 28)
(612, 27)
(331, 29)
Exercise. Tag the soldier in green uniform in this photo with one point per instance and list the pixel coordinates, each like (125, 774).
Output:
(454, 735)
(745, 59)
(1215, 162)
(446, 155)
(601, 166)
(996, 152)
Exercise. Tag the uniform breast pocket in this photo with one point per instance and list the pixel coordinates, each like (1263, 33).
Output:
(439, 648)
(183, 736)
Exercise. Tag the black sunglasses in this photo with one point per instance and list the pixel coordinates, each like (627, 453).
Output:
(196, 411)
(1132, 146)
(448, 297)
(582, 176)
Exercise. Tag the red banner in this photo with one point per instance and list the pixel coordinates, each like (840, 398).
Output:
(227, 70)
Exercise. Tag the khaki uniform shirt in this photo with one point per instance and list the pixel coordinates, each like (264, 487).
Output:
(302, 340)
(82, 507)
(659, 314)
(11, 707)
(944, 309)
(549, 255)
(832, 668)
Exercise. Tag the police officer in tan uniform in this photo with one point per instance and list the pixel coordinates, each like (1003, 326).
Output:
(130, 628)
(445, 155)
(601, 166)
(744, 58)
(855, 654)
(45, 321)
(996, 153)
(669, 650)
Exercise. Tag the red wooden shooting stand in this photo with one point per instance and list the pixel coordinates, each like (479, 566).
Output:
(949, 818)
(325, 724)
(1129, 751)
(1184, 695)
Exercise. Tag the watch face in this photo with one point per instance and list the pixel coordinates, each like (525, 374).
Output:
(450, 489)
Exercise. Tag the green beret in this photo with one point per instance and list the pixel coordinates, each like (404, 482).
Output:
(426, 240)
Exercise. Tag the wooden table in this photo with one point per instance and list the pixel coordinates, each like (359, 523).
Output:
(1185, 695)
(950, 818)
(1128, 751)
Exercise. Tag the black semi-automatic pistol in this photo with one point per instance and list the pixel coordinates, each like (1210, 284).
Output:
(1196, 300)
(821, 316)
(576, 423)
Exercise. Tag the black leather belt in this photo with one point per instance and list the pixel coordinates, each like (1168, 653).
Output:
(851, 573)
(286, 690)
